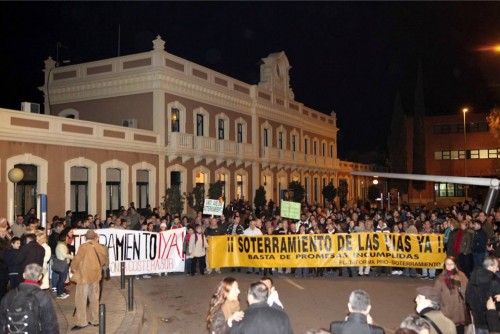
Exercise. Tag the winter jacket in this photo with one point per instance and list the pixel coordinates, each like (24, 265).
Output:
(453, 300)
(355, 323)
(47, 315)
(479, 241)
(89, 261)
(260, 318)
(465, 244)
(198, 245)
(478, 292)
(11, 258)
(436, 317)
(31, 252)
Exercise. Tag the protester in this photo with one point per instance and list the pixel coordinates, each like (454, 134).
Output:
(479, 243)
(11, 259)
(479, 291)
(428, 302)
(41, 238)
(359, 320)
(493, 309)
(414, 323)
(273, 299)
(197, 249)
(224, 307)
(60, 267)
(31, 252)
(212, 230)
(451, 284)
(460, 247)
(259, 317)
(87, 268)
(28, 309)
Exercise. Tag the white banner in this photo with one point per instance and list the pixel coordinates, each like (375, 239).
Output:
(213, 207)
(143, 252)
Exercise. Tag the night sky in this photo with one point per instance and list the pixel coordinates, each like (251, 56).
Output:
(352, 58)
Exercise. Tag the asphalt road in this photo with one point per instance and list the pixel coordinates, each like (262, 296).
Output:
(178, 304)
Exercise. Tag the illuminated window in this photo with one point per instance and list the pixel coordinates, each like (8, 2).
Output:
(438, 155)
(448, 190)
(175, 124)
(483, 154)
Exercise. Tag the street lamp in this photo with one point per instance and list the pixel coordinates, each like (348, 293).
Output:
(464, 111)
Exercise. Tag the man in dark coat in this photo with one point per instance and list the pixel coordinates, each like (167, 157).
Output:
(260, 317)
(479, 243)
(47, 318)
(358, 321)
(479, 290)
(31, 252)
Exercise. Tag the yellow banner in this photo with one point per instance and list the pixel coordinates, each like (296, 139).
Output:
(327, 250)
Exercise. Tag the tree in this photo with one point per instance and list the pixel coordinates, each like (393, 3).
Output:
(418, 131)
(373, 192)
(329, 192)
(297, 190)
(215, 190)
(260, 198)
(342, 192)
(174, 200)
(396, 145)
(196, 198)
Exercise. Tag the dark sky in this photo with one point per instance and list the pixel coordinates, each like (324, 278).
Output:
(349, 57)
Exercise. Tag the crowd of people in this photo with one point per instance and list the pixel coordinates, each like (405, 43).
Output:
(471, 237)
(36, 262)
(449, 307)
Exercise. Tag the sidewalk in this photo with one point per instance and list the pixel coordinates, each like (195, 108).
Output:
(118, 319)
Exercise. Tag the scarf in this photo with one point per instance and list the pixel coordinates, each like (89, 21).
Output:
(196, 239)
(458, 242)
(450, 283)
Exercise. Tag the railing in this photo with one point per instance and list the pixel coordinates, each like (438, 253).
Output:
(59, 130)
(205, 144)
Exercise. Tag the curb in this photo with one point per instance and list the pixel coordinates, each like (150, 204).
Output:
(133, 320)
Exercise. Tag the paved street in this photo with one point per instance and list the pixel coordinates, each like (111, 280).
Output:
(178, 304)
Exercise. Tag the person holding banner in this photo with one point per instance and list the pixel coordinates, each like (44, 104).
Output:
(198, 249)
(213, 229)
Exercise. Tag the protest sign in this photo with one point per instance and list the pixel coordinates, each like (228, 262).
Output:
(328, 250)
(290, 210)
(213, 207)
(143, 252)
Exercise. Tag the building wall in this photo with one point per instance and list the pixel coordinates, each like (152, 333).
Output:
(439, 142)
(113, 110)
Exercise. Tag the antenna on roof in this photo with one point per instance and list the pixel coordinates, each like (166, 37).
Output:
(119, 33)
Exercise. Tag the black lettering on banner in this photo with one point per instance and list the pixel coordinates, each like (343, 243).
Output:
(153, 246)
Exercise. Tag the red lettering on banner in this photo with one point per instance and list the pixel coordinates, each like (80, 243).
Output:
(166, 246)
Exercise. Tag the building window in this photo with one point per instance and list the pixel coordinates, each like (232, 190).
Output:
(142, 189)
(199, 125)
(26, 190)
(280, 140)
(79, 192)
(222, 179)
(175, 179)
(483, 154)
(448, 190)
(175, 122)
(331, 151)
(239, 130)
(315, 189)
(293, 143)
(492, 154)
(239, 186)
(474, 154)
(315, 147)
(113, 190)
(221, 128)
(324, 149)
(306, 144)
(266, 137)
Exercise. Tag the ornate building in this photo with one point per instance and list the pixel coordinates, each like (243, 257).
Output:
(124, 129)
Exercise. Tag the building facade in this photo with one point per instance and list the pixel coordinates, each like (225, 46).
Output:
(125, 129)
(450, 152)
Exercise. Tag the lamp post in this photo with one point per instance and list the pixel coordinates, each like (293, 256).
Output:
(464, 111)
(15, 175)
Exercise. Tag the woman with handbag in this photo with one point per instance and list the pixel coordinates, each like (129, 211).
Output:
(60, 266)
(451, 284)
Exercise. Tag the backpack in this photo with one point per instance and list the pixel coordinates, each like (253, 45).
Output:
(22, 313)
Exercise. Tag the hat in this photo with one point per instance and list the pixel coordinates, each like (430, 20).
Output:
(430, 293)
(91, 235)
